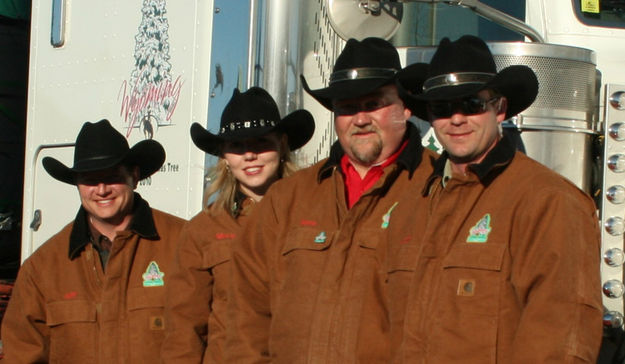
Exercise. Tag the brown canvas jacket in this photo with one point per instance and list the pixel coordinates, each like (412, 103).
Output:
(308, 273)
(506, 271)
(198, 289)
(65, 309)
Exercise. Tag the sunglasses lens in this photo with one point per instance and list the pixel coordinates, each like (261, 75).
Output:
(468, 106)
(473, 105)
(441, 109)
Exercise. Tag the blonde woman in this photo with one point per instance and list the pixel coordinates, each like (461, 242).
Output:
(254, 146)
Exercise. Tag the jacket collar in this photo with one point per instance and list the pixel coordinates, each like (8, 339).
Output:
(409, 159)
(142, 224)
(491, 166)
(241, 204)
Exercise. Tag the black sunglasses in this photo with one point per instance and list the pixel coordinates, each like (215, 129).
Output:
(468, 106)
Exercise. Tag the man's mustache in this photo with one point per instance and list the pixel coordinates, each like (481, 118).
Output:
(364, 130)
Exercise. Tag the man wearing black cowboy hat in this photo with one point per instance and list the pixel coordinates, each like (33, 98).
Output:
(308, 272)
(94, 292)
(507, 270)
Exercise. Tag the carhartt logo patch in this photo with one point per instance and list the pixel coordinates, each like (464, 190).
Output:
(479, 232)
(308, 223)
(157, 323)
(70, 295)
(153, 277)
(386, 218)
(466, 287)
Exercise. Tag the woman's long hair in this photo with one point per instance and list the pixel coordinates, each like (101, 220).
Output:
(224, 186)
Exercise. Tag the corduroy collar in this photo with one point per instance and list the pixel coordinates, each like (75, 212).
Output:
(491, 166)
(409, 159)
(142, 224)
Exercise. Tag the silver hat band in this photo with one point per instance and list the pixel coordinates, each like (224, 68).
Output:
(236, 125)
(455, 79)
(361, 73)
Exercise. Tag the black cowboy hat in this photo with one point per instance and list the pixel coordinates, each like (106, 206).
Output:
(100, 146)
(252, 114)
(361, 68)
(462, 68)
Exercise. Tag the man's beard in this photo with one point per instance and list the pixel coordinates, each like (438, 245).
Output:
(369, 155)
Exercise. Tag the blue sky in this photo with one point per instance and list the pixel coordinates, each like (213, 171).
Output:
(230, 52)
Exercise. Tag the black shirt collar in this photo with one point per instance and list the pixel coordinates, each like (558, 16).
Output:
(490, 167)
(409, 158)
(142, 224)
(237, 206)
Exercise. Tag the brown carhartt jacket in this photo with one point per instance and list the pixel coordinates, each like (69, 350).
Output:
(507, 270)
(197, 292)
(308, 273)
(65, 309)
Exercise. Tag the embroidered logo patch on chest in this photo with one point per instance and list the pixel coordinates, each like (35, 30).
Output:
(386, 218)
(153, 277)
(321, 238)
(479, 232)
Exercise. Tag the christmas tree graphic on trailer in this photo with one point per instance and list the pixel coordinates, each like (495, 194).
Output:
(149, 98)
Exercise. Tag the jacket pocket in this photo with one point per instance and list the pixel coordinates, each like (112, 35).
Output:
(304, 255)
(215, 254)
(405, 255)
(368, 238)
(306, 239)
(401, 265)
(300, 269)
(402, 258)
(72, 329)
(475, 256)
(472, 279)
(146, 323)
(64, 312)
(216, 258)
(370, 242)
(146, 297)
(469, 303)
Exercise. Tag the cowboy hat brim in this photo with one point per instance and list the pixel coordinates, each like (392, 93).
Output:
(299, 127)
(517, 83)
(148, 155)
(347, 89)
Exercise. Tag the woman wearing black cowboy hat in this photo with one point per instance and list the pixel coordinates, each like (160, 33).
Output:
(95, 292)
(254, 147)
(509, 264)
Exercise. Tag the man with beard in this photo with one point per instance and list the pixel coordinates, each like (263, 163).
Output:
(308, 269)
